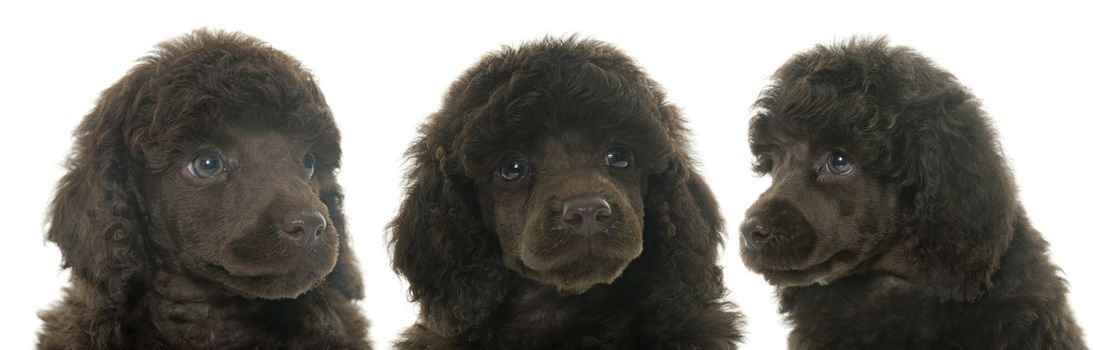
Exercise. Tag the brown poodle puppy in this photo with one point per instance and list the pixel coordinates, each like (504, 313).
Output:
(201, 211)
(552, 204)
(892, 220)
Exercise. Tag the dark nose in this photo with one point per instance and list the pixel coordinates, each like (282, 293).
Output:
(586, 215)
(756, 233)
(303, 227)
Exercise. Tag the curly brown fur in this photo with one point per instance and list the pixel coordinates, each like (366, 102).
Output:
(500, 263)
(892, 219)
(254, 255)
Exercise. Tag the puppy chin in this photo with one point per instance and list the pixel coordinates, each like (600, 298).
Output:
(573, 262)
(577, 276)
(822, 272)
(797, 278)
(264, 274)
(277, 287)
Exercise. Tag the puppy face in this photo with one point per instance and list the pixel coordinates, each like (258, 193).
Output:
(240, 206)
(882, 164)
(567, 208)
(823, 215)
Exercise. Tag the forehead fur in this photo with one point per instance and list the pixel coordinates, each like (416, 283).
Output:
(851, 93)
(191, 86)
(550, 87)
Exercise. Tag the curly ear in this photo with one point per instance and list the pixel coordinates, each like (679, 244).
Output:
(684, 231)
(958, 192)
(682, 235)
(96, 216)
(683, 225)
(441, 247)
(345, 277)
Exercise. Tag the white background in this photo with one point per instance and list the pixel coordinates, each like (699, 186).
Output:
(384, 69)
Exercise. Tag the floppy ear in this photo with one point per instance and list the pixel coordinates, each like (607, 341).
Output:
(96, 216)
(683, 226)
(441, 247)
(345, 277)
(958, 194)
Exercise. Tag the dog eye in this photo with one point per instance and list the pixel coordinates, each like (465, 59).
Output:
(309, 164)
(839, 164)
(206, 165)
(514, 170)
(616, 159)
(762, 164)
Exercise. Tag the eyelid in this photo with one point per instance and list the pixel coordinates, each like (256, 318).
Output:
(191, 173)
(507, 162)
(314, 164)
(824, 167)
(623, 153)
(762, 163)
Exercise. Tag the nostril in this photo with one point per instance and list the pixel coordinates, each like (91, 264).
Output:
(759, 233)
(760, 230)
(603, 214)
(572, 217)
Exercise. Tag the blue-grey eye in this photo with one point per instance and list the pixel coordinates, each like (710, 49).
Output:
(616, 159)
(309, 164)
(839, 164)
(206, 165)
(513, 170)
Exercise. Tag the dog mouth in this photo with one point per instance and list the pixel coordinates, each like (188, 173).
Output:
(247, 276)
(577, 276)
(269, 268)
(575, 244)
(574, 262)
(266, 285)
(560, 246)
(823, 272)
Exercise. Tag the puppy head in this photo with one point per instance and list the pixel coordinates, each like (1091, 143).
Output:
(882, 163)
(539, 166)
(214, 156)
(560, 162)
